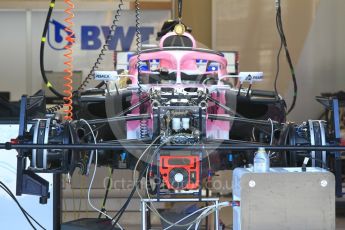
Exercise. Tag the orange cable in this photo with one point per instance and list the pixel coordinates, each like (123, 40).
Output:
(70, 38)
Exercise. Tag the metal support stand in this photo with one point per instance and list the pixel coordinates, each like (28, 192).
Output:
(332, 104)
(337, 155)
(57, 202)
(144, 202)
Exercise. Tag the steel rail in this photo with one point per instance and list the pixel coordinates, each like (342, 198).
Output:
(221, 146)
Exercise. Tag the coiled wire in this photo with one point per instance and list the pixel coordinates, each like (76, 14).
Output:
(54, 108)
(138, 35)
(70, 38)
(104, 48)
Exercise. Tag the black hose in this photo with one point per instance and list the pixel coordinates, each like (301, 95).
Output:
(280, 29)
(179, 9)
(25, 213)
(43, 42)
(106, 194)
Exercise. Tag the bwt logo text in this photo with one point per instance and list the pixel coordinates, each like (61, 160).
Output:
(92, 37)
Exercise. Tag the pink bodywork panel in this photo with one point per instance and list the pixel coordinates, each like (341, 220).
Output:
(215, 127)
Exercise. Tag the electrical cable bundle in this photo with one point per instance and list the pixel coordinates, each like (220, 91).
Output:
(283, 43)
(25, 213)
(70, 38)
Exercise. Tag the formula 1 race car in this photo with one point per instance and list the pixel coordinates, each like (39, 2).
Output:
(175, 115)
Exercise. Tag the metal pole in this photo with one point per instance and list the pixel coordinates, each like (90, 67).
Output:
(216, 219)
(56, 201)
(143, 214)
(181, 200)
(337, 154)
(148, 218)
(221, 146)
(119, 118)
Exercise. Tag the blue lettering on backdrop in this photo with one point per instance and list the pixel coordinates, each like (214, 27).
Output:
(58, 41)
(92, 37)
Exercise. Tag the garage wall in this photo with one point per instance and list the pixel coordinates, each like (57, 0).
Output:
(321, 65)
(13, 53)
(315, 35)
(249, 27)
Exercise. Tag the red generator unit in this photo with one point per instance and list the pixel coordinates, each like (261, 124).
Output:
(180, 172)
